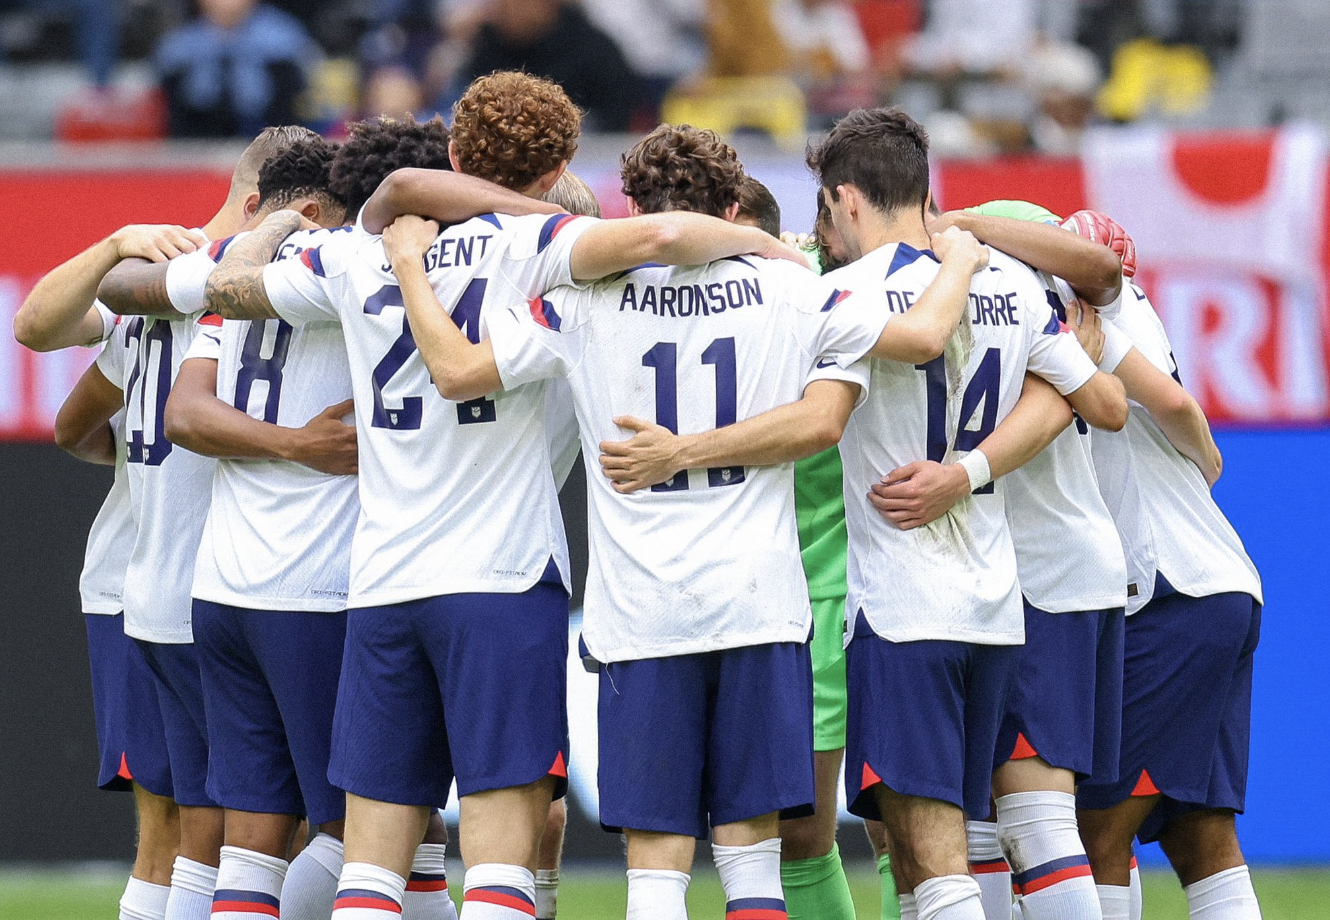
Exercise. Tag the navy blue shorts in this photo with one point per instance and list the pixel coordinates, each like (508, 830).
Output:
(465, 686)
(1065, 703)
(180, 695)
(131, 740)
(695, 741)
(1186, 721)
(923, 719)
(270, 688)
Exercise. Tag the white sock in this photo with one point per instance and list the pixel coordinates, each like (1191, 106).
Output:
(1114, 901)
(427, 895)
(751, 877)
(249, 885)
(496, 891)
(311, 882)
(909, 908)
(1137, 895)
(949, 897)
(547, 894)
(143, 900)
(368, 892)
(989, 868)
(1050, 871)
(657, 894)
(1226, 895)
(192, 885)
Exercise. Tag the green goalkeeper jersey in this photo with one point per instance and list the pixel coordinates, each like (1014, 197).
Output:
(820, 509)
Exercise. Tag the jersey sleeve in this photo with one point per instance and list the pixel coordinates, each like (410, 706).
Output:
(111, 362)
(187, 275)
(207, 342)
(309, 287)
(1055, 355)
(1138, 320)
(1116, 345)
(857, 373)
(831, 323)
(109, 321)
(540, 339)
(541, 258)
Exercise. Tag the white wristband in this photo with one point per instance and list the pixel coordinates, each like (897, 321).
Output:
(977, 468)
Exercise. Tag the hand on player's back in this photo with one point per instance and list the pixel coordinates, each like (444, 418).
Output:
(777, 249)
(648, 457)
(955, 243)
(328, 444)
(156, 242)
(919, 493)
(408, 238)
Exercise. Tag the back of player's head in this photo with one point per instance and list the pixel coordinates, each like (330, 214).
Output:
(300, 171)
(574, 196)
(271, 141)
(759, 207)
(682, 168)
(377, 147)
(513, 128)
(882, 152)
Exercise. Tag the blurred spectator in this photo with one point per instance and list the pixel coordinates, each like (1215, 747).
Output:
(664, 39)
(1064, 81)
(829, 55)
(234, 69)
(743, 39)
(393, 91)
(974, 36)
(554, 39)
(96, 27)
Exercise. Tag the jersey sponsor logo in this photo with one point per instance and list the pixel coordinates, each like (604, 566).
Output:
(824, 363)
(691, 299)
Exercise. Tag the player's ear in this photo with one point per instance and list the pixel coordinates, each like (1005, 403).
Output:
(452, 156)
(848, 197)
(251, 205)
(732, 212)
(633, 209)
(547, 181)
(312, 211)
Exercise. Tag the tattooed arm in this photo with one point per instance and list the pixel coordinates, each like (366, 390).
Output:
(235, 288)
(137, 287)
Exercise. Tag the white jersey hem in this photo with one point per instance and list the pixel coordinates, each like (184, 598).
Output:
(797, 635)
(967, 637)
(108, 609)
(279, 604)
(387, 597)
(1080, 604)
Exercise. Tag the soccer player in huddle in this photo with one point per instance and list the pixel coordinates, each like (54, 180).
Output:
(457, 633)
(270, 667)
(168, 494)
(666, 673)
(61, 312)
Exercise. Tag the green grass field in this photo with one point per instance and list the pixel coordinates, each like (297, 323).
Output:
(598, 894)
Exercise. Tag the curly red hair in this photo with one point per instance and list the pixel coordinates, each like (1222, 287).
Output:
(512, 128)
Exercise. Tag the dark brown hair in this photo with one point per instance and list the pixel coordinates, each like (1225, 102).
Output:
(758, 204)
(299, 171)
(512, 128)
(682, 168)
(881, 152)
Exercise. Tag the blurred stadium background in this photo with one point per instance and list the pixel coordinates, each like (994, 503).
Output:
(1202, 125)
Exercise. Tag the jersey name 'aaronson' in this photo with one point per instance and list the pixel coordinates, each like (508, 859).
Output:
(691, 299)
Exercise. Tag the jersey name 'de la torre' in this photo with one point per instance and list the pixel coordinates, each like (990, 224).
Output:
(1068, 553)
(455, 497)
(169, 486)
(710, 559)
(111, 537)
(954, 579)
(278, 534)
(1166, 502)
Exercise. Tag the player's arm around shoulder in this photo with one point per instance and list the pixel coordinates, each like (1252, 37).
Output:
(443, 195)
(460, 370)
(235, 289)
(1102, 400)
(921, 333)
(82, 426)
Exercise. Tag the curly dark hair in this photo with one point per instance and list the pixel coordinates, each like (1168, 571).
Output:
(300, 170)
(378, 146)
(682, 168)
(882, 152)
(512, 128)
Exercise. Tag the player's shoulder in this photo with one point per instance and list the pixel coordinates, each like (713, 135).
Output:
(1010, 268)
(527, 235)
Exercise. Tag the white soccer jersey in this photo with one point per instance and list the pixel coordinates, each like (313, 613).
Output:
(1068, 553)
(953, 579)
(169, 487)
(1164, 499)
(278, 534)
(111, 538)
(710, 559)
(455, 497)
